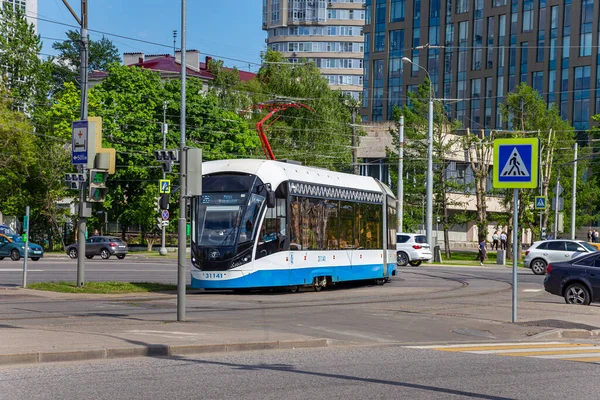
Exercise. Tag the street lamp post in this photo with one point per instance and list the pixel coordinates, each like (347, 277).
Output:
(429, 185)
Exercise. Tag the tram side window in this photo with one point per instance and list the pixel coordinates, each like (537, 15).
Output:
(272, 234)
(332, 229)
(372, 226)
(391, 225)
(310, 223)
(347, 211)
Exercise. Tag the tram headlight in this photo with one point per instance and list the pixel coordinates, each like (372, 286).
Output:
(242, 259)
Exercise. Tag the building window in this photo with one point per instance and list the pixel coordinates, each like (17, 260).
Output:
(585, 37)
(462, 6)
(397, 11)
(537, 81)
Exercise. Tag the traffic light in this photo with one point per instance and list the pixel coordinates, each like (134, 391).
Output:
(97, 185)
(166, 155)
(167, 167)
(163, 202)
(74, 181)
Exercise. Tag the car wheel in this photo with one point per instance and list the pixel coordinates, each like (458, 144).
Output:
(73, 253)
(35, 258)
(538, 266)
(14, 255)
(577, 293)
(1, 258)
(415, 263)
(104, 254)
(89, 257)
(121, 256)
(402, 259)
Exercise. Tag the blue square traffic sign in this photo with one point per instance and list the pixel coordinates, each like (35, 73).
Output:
(516, 163)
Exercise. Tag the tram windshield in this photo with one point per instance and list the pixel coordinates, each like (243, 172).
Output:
(224, 217)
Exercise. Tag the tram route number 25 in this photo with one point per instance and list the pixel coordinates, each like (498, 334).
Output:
(213, 276)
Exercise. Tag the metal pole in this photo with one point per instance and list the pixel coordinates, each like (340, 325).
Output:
(429, 212)
(574, 194)
(181, 249)
(556, 204)
(26, 230)
(163, 249)
(354, 149)
(81, 225)
(515, 253)
(400, 207)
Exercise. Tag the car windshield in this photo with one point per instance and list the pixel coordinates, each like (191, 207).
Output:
(588, 246)
(16, 238)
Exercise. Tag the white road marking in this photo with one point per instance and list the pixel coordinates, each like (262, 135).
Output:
(532, 290)
(168, 334)
(20, 270)
(455, 346)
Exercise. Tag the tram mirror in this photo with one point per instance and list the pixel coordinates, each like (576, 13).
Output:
(271, 199)
(270, 196)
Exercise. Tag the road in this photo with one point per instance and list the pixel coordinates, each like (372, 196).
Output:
(131, 269)
(382, 372)
(164, 270)
(429, 304)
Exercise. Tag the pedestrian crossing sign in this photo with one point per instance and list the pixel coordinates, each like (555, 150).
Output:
(164, 186)
(516, 163)
(540, 202)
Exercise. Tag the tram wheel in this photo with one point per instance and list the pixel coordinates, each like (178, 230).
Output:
(379, 281)
(294, 289)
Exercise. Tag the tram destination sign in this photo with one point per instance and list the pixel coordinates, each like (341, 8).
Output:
(223, 198)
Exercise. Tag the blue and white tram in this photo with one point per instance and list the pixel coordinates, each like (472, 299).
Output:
(264, 224)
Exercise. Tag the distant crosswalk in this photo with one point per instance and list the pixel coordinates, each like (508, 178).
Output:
(581, 352)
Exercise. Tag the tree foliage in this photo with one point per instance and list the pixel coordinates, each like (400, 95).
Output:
(102, 53)
(23, 73)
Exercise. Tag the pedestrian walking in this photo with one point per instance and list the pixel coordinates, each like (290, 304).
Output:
(495, 239)
(503, 240)
(595, 236)
(589, 235)
(482, 251)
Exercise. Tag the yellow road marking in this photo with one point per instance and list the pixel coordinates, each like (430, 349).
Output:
(584, 359)
(510, 347)
(546, 353)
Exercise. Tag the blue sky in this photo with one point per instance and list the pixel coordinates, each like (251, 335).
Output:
(227, 28)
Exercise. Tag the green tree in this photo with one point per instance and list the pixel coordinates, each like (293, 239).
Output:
(529, 116)
(23, 73)
(445, 143)
(17, 157)
(102, 53)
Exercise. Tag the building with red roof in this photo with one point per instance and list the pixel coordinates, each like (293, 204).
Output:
(169, 67)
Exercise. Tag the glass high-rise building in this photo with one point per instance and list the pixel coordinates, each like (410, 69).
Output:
(485, 49)
(328, 32)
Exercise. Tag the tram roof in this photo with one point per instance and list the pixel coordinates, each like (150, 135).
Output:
(275, 172)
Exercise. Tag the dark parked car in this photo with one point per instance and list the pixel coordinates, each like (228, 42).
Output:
(577, 280)
(103, 246)
(13, 246)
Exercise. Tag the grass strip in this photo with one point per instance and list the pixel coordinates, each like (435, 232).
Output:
(102, 287)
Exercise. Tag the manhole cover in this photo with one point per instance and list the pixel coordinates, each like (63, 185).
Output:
(559, 324)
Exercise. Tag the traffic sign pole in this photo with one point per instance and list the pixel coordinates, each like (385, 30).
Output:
(516, 166)
(26, 230)
(515, 253)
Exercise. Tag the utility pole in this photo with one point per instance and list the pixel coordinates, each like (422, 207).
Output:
(181, 249)
(400, 206)
(81, 224)
(163, 249)
(354, 149)
(574, 193)
(174, 43)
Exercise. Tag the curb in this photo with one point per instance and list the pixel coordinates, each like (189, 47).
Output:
(38, 357)
(567, 334)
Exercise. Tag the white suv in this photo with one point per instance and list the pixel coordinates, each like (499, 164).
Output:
(542, 253)
(412, 248)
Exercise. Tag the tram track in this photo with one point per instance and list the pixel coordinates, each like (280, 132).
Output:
(148, 305)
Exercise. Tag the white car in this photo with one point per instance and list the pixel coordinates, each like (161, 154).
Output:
(545, 252)
(412, 248)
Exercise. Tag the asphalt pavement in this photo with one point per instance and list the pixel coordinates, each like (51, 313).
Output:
(431, 305)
